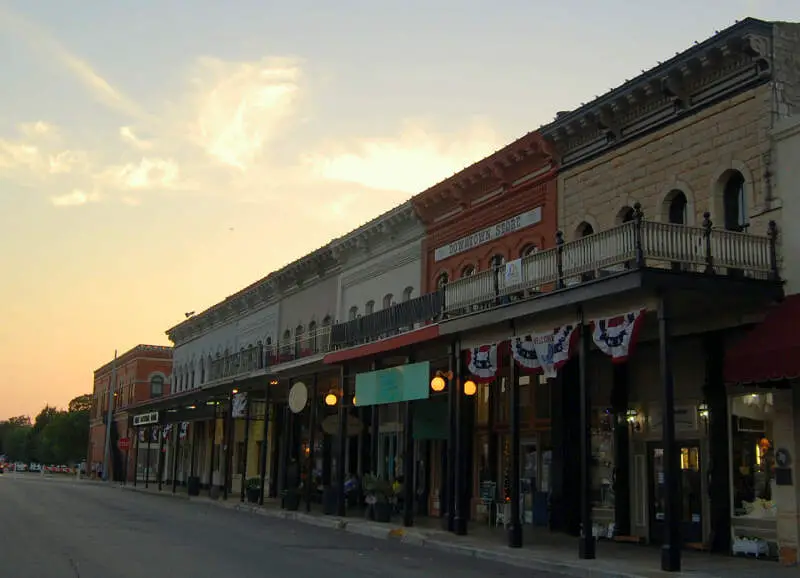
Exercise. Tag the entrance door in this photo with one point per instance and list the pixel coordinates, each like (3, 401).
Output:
(690, 494)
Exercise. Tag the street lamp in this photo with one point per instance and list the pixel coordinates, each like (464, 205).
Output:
(331, 399)
(470, 388)
(438, 383)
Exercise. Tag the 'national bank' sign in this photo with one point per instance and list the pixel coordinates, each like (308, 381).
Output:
(489, 234)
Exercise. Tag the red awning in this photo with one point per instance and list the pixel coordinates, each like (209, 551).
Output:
(771, 351)
(389, 344)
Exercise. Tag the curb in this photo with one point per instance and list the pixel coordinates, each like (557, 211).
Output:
(414, 537)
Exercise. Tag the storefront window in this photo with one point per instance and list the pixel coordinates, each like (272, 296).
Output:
(753, 463)
(483, 404)
(500, 389)
(542, 397)
(603, 458)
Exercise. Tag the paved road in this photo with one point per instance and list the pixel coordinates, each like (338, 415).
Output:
(63, 528)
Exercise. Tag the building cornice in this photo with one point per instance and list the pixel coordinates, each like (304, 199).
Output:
(498, 171)
(133, 354)
(730, 61)
(312, 268)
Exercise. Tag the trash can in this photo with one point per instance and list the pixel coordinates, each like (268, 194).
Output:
(193, 486)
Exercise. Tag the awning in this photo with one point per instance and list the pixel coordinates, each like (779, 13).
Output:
(389, 344)
(771, 351)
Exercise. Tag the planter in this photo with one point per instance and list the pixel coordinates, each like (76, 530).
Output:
(291, 500)
(383, 511)
(193, 486)
(253, 494)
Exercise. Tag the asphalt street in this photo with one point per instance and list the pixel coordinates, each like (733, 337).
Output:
(64, 528)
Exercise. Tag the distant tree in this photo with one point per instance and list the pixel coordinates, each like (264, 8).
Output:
(16, 444)
(65, 438)
(81, 403)
(20, 420)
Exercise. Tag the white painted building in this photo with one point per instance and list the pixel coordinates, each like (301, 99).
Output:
(380, 263)
(785, 174)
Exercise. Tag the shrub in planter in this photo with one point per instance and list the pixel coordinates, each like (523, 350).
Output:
(253, 489)
(378, 494)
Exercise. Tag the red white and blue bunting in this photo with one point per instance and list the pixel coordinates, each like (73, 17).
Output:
(184, 429)
(166, 431)
(545, 352)
(616, 336)
(482, 362)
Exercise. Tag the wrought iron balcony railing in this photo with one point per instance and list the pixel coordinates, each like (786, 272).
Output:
(398, 318)
(637, 244)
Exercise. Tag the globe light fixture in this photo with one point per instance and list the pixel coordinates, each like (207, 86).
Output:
(470, 388)
(234, 391)
(438, 383)
(331, 399)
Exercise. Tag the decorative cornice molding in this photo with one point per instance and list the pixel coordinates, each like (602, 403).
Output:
(496, 171)
(387, 226)
(135, 353)
(393, 260)
(730, 61)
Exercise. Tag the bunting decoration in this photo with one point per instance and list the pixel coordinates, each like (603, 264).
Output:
(482, 362)
(142, 437)
(184, 429)
(166, 431)
(545, 352)
(616, 336)
(155, 432)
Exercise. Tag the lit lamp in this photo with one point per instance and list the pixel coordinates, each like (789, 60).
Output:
(331, 399)
(470, 388)
(632, 417)
(702, 410)
(355, 403)
(274, 382)
(234, 391)
(438, 383)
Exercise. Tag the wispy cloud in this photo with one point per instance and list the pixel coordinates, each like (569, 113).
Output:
(128, 135)
(74, 199)
(410, 162)
(40, 39)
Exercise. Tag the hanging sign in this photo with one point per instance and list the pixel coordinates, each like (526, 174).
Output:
(239, 405)
(616, 336)
(145, 419)
(513, 275)
(482, 362)
(298, 397)
(546, 351)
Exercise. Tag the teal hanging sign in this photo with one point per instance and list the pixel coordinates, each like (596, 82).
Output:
(393, 385)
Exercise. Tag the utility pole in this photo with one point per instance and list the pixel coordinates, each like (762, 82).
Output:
(111, 387)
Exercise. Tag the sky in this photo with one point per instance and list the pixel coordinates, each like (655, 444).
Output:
(159, 155)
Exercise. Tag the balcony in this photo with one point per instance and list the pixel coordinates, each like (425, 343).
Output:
(394, 320)
(635, 245)
(305, 345)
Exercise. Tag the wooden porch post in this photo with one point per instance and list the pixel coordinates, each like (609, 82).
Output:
(586, 545)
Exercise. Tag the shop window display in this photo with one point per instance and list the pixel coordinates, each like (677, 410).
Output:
(752, 461)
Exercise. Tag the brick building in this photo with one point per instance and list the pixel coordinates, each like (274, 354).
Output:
(142, 373)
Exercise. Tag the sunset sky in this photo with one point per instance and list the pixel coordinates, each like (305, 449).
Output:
(157, 156)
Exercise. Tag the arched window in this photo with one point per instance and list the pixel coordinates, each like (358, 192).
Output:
(312, 335)
(468, 271)
(625, 215)
(387, 300)
(677, 208)
(287, 335)
(202, 370)
(157, 386)
(353, 313)
(407, 292)
(528, 250)
(497, 261)
(326, 321)
(369, 308)
(442, 280)
(584, 230)
(733, 202)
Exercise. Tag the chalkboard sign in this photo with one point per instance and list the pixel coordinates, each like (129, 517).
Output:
(488, 492)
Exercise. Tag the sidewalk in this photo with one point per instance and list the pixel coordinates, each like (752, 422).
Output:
(543, 551)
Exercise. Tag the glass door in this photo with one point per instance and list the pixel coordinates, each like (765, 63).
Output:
(690, 491)
(529, 468)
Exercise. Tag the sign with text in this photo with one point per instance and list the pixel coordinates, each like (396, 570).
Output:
(393, 385)
(145, 419)
(488, 234)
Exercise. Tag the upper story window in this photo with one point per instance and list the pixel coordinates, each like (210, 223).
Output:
(442, 280)
(369, 308)
(677, 208)
(468, 271)
(497, 261)
(353, 314)
(734, 205)
(387, 300)
(407, 292)
(287, 335)
(202, 371)
(528, 250)
(157, 386)
(625, 215)
(584, 230)
(326, 321)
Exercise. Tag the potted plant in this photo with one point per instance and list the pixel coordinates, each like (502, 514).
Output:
(253, 490)
(291, 499)
(378, 494)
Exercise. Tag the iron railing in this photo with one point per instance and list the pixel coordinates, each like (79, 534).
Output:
(636, 244)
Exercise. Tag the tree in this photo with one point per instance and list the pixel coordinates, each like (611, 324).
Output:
(65, 438)
(20, 420)
(16, 444)
(81, 403)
